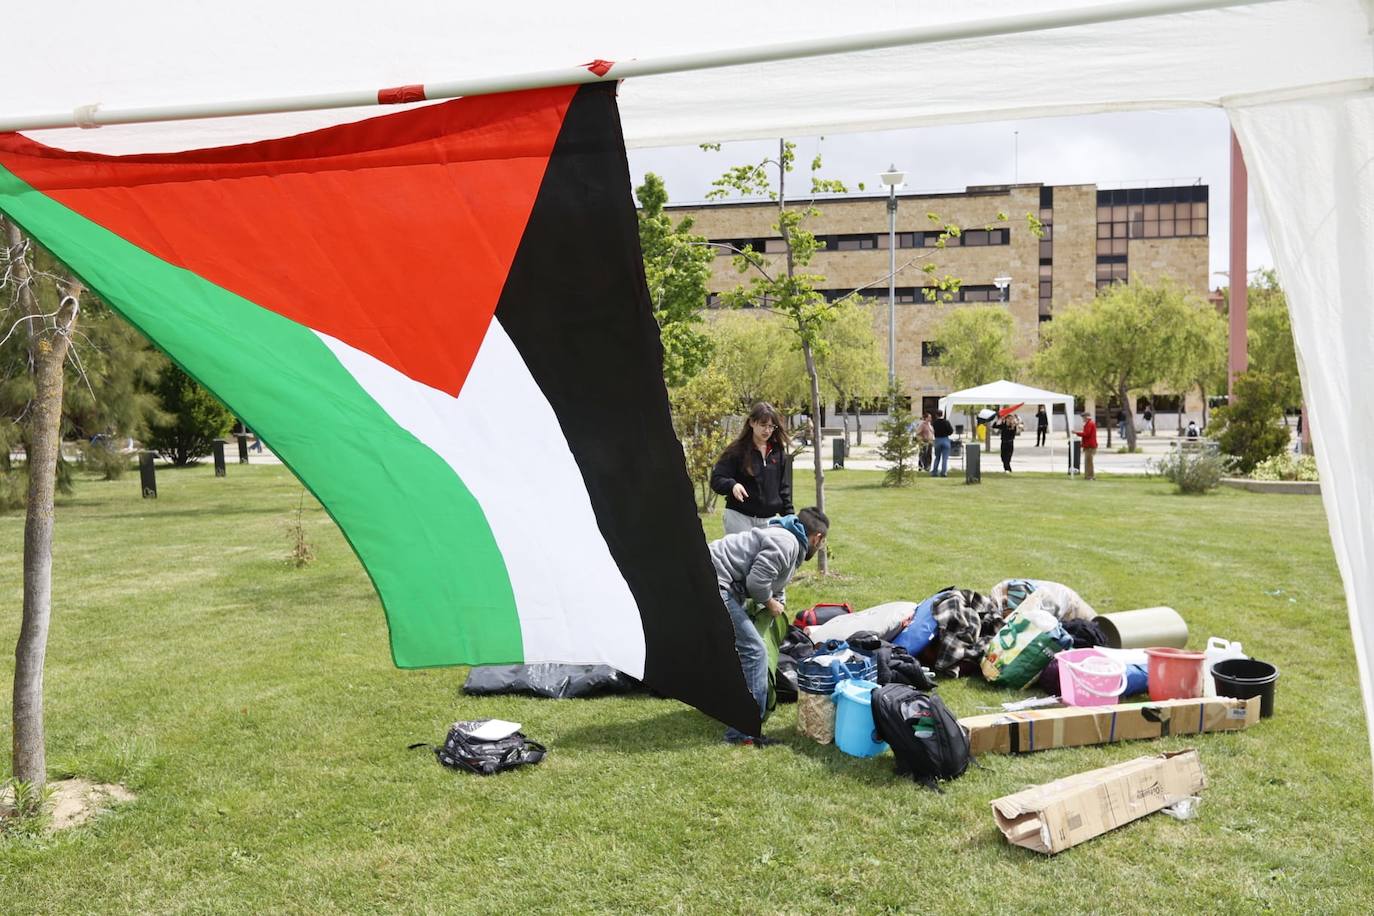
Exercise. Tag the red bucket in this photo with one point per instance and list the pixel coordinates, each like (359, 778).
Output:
(1175, 674)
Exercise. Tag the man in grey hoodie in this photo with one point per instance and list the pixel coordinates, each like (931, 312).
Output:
(758, 563)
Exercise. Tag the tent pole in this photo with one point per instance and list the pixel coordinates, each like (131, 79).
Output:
(91, 115)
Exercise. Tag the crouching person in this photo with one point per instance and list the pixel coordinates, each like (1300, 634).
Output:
(758, 563)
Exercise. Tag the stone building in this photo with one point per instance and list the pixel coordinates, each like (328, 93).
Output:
(1091, 238)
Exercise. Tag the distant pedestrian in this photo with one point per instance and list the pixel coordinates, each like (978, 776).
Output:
(256, 444)
(752, 472)
(1148, 419)
(1042, 426)
(943, 430)
(1121, 422)
(1089, 436)
(1009, 426)
(925, 437)
(1192, 431)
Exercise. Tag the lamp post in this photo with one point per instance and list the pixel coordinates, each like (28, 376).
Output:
(1001, 283)
(893, 179)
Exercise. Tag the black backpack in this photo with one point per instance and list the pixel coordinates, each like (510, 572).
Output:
(463, 752)
(926, 739)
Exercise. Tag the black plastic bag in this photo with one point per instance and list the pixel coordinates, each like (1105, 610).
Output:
(556, 682)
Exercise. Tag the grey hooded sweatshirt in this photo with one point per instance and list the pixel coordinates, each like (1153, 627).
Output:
(757, 563)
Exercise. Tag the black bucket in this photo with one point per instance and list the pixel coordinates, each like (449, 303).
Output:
(1242, 678)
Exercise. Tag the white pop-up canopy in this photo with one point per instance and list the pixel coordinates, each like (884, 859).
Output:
(1296, 78)
(1003, 393)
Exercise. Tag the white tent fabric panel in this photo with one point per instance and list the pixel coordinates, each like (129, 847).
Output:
(1312, 164)
(134, 54)
(1004, 393)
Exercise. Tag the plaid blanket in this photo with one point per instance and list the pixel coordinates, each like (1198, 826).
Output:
(966, 621)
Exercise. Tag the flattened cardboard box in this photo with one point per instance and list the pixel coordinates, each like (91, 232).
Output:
(1052, 817)
(1075, 726)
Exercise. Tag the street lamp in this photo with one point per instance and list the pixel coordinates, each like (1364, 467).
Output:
(893, 179)
(1001, 283)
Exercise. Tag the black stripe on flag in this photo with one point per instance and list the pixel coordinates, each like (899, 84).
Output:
(576, 307)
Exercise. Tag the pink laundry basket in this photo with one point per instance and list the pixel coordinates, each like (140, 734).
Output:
(1087, 677)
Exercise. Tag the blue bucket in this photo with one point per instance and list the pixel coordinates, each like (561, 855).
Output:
(854, 733)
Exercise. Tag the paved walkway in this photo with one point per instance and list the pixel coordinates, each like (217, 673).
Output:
(1051, 458)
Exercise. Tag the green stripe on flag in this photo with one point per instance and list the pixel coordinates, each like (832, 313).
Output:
(420, 534)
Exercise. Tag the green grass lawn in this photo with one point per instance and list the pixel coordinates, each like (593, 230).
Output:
(255, 711)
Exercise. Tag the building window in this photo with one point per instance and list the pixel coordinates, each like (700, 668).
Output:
(930, 353)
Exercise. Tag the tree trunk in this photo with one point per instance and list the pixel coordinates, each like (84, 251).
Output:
(1130, 418)
(822, 563)
(48, 353)
(1202, 390)
(858, 422)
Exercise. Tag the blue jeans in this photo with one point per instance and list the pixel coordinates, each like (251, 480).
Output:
(940, 466)
(753, 656)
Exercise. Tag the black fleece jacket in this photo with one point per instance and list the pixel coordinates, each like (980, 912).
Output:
(767, 488)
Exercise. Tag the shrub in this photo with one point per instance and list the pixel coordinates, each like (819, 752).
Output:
(1252, 428)
(194, 419)
(104, 457)
(14, 489)
(1286, 466)
(1191, 471)
(700, 408)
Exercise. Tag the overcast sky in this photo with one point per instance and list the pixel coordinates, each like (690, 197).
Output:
(1108, 150)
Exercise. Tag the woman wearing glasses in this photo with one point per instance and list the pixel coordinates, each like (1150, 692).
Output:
(752, 473)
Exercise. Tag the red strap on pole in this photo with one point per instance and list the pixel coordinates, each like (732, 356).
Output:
(398, 95)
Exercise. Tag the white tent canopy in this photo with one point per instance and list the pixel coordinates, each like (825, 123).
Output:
(1295, 76)
(1003, 393)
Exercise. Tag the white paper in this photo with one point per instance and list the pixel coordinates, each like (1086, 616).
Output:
(493, 730)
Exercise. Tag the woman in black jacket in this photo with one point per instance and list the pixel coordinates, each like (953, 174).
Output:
(752, 472)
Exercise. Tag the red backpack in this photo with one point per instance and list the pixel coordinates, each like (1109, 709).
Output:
(822, 613)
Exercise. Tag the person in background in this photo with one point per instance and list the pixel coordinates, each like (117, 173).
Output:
(1042, 426)
(1089, 436)
(925, 436)
(758, 563)
(1147, 419)
(943, 430)
(1192, 431)
(1121, 422)
(752, 472)
(1009, 426)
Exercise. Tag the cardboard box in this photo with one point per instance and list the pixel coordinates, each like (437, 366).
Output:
(1060, 814)
(1075, 726)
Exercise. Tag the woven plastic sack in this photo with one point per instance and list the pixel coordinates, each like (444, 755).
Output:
(816, 716)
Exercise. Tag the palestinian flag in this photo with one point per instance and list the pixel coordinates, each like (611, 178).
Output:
(438, 320)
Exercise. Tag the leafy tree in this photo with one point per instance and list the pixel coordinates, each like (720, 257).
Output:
(1270, 337)
(782, 285)
(901, 444)
(1132, 337)
(677, 265)
(1199, 358)
(753, 351)
(194, 419)
(975, 346)
(851, 366)
(40, 303)
(701, 407)
(1251, 428)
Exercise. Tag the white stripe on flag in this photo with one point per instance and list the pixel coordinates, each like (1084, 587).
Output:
(501, 437)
